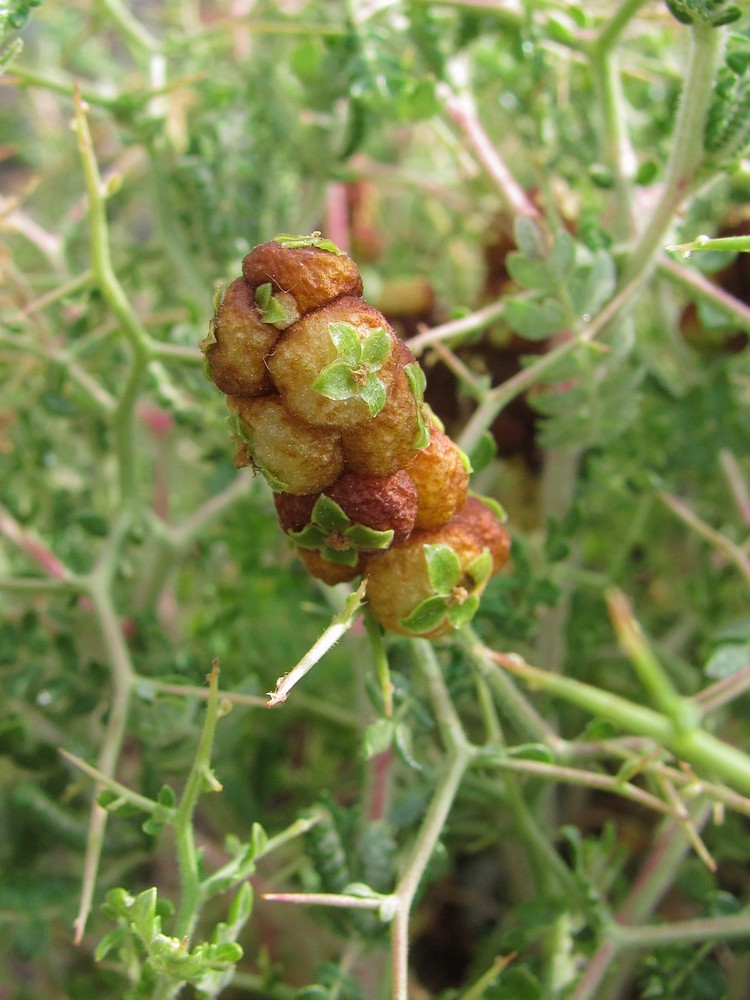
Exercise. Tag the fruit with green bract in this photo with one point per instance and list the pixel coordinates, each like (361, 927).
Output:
(431, 583)
(335, 366)
(293, 457)
(491, 532)
(392, 439)
(311, 275)
(238, 343)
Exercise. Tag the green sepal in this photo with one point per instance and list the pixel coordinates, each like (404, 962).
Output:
(272, 310)
(417, 383)
(336, 381)
(291, 242)
(346, 340)
(342, 557)
(427, 615)
(465, 461)
(443, 568)
(497, 508)
(210, 339)
(238, 430)
(310, 537)
(376, 347)
(369, 538)
(206, 369)
(479, 569)
(373, 394)
(328, 515)
(461, 614)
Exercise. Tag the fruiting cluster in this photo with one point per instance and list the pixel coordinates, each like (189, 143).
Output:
(326, 402)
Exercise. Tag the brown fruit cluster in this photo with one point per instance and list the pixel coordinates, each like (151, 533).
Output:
(326, 402)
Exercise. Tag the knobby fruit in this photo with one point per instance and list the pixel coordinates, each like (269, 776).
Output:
(326, 402)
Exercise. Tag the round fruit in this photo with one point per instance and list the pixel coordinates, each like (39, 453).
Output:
(441, 479)
(294, 457)
(312, 276)
(238, 344)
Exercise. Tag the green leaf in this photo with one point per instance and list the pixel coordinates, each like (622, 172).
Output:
(530, 273)
(376, 348)
(443, 568)
(727, 660)
(417, 383)
(536, 320)
(378, 737)
(336, 381)
(561, 260)
(484, 452)
(291, 241)
(373, 394)
(426, 616)
(480, 568)
(312, 536)
(461, 614)
(115, 939)
(363, 537)
(328, 515)
(346, 338)
(529, 238)
(143, 915)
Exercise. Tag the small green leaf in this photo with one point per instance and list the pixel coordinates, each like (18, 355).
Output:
(346, 338)
(530, 273)
(535, 320)
(272, 310)
(461, 614)
(328, 515)
(376, 348)
(311, 536)
(363, 537)
(417, 382)
(497, 509)
(115, 939)
(378, 737)
(483, 452)
(290, 241)
(426, 616)
(727, 660)
(373, 394)
(532, 751)
(336, 381)
(241, 906)
(443, 568)
(480, 568)
(340, 556)
(529, 237)
(562, 256)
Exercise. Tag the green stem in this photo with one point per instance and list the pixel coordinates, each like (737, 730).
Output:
(686, 152)
(694, 745)
(610, 34)
(200, 777)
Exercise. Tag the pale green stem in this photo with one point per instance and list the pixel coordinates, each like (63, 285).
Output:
(694, 745)
(686, 151)
(459, 756)
(699, 285)
(720, 542)
(610, 34)
(199, 779)
(681, 932)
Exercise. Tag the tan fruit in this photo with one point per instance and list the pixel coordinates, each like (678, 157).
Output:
(311, 275)
(441, 480)
(389, 442)
(383, 503)
(308, 349)
(293, 456)
(491, 532)
(239, 341)
(398, 581)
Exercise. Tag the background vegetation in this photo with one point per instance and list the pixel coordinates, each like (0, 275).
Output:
(551, 805)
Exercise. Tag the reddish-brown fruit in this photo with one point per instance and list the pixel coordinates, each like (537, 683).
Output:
(492, 534)
(384, 503)
(294, 457)
(307, 348)
(441, 480)
(311, 275)
(294, 511)
(329, 572)
(238, 344)
(398, 580)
